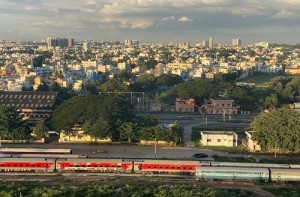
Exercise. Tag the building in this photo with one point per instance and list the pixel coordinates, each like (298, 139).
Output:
(33, 106)
(205, 43)
(219, 138)
(211, 43)
(236, 42)
(86, 45)
(185, 105)
(221, 106)
(59, 42)
(249, 143)
(79, 136)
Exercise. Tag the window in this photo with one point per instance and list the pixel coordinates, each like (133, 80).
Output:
(208, 140)
(223, 104)
(219, 140)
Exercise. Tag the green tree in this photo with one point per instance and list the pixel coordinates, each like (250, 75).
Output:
(40, 129)
(271, 101)
(279, 129)
(169, 80)
(127, 131)
(43, 87)
(11, 124)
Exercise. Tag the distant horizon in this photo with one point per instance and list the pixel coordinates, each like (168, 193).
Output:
(142, 42)
(274, 21)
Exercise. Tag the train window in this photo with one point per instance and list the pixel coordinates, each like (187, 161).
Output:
(160, 167)
(39, 165)
(77, 165)
(27, 165)
(8, 165)
(149, 167)
(32, 165)
(2, 164)
(15, 165)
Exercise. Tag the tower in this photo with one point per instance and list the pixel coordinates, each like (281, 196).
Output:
(211, 42)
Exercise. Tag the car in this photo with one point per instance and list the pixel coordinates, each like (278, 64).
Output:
(200, 155)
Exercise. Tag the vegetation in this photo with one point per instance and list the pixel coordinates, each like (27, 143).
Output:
(112, 117)
(284, 192)
(12, 126)
(279, 129)
(40, 129)
(124, 191)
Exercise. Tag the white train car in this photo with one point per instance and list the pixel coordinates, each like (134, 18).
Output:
(233, 173)
(285, 175)
(249, 165)
(35, 151)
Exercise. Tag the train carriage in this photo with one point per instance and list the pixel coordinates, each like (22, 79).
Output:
(165, 166)
(26, 164)
(285, 175)
(248, 165)
(233, 173)
(95, 165)
(35, 151)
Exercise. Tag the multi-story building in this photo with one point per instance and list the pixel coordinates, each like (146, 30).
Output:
(221, 106)
(236, 42)
(219, 138)
(185, 105)
(211, 43)
(33, 106)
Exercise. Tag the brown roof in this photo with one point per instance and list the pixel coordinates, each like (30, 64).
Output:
(28, 100)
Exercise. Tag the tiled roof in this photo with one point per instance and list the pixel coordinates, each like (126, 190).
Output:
(28, 100)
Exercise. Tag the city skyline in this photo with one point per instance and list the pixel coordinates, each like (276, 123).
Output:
(152, 21)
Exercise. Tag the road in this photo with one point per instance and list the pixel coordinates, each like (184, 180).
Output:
(127, 151)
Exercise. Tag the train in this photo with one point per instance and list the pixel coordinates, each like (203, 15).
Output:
(201, 170)
(35, 151)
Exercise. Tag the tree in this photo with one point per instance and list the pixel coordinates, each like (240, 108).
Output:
(11, 124)
(43, 87)
(271, 101)
(279, 129)
(40, 129)
(101, 129)
(169, 80)
(127, 131)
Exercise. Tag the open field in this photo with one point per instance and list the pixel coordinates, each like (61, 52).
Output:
(261, 79)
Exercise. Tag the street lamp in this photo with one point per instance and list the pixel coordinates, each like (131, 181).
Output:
(155, 142)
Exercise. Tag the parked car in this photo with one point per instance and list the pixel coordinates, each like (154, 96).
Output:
(200, 155)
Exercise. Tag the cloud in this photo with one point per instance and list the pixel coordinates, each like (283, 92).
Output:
(136, 24)
(283, 14)
(168, 18)
(185, 19)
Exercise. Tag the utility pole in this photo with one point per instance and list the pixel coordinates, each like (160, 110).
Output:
(155, 147)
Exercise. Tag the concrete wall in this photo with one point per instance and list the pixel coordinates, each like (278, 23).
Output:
(228, 139)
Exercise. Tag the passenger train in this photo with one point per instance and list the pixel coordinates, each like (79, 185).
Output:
(201, 170)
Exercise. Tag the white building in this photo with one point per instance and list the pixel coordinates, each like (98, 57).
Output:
(211, 43)
(236, 42)
(219, 138)
(251, 144)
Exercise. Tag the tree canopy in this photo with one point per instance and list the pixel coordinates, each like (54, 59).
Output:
(11, 124)
(279, 129)
(109, 108)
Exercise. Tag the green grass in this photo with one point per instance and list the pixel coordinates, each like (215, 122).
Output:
(284, 192)
(261, 79)
(237, 149)
(234, 159)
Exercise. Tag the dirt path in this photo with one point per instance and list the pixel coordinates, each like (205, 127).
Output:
(187, 134)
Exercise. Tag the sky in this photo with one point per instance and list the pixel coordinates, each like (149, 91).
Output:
(152, 21)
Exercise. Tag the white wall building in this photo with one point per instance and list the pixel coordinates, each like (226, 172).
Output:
(219, 138)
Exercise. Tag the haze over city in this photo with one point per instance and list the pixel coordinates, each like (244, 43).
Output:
(152, 21)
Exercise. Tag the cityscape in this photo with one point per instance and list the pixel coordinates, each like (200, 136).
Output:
(149, 98)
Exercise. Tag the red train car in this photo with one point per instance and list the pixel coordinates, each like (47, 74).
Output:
(95, 165)
(166, 166)
(26, 164)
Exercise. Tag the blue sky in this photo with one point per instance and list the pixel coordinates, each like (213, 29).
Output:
(152, 20)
